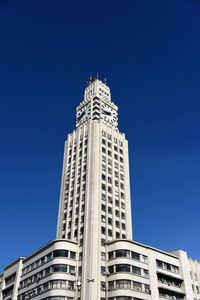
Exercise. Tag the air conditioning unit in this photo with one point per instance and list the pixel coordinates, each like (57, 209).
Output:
(72, 272)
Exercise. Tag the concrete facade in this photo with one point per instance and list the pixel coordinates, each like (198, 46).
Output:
(93, 256)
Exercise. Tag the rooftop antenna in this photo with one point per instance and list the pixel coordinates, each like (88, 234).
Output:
(104, 81)
(97, 75)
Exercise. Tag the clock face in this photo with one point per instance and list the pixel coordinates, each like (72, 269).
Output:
(108, 113)
(83, 114)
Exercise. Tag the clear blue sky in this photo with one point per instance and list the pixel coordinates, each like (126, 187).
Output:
(149, 51)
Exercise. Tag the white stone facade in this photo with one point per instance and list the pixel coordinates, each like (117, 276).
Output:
(94, 257)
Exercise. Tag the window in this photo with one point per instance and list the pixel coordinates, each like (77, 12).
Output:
(111, 269)
(123, 284)
(103, 207)
(103, 241)
(103, 230)
(103, 256)
(117, 224)
(103, 141)
(109, 210)
(123, 268)
(103, 177)
(103, 150)
(103, 286)
(103, 197)
(117, 235)
(117, 213)
(109, 232)
(116, 193)
(109, 161)
(109, 221)
(109, 180)
(103, 167)
(137, 286)
(122, 253)
(135, 255)
(109, 170)
(60, 253)
(72, 255)
(109, 189)
(109, 144)
(72, 270)
(109, 199)
(103, 186)
(117, 203)
(59, 268)
(136, 270)
(103, 158)
(144, 259)
(146, 273)
(123, 226)
(111, 255)
(103, 219)
(116, 183)
(122, 215)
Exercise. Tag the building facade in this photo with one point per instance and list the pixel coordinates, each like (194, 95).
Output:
(93, 256)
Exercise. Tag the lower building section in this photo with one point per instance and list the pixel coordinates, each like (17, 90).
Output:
(129, 271)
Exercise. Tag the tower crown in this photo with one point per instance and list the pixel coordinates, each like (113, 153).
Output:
(96, 88)
(97, 104)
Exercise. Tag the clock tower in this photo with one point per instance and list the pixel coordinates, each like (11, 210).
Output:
(95, 190)
(97, 104)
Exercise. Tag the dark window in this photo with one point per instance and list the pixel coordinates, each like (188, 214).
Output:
(109, 189)
(103, 207)
(111, 255)
(117, 235)
(103, 230)
(109, 221)
(135, 255)
(103, 177)
(59, 268)
(103, 186)
(123, 268)
(111, 269)
(136, 270)
(60, 253)
(122, 253)
(109, 210)
(109, 232)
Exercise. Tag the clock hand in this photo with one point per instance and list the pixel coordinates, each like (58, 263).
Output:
(108, 113)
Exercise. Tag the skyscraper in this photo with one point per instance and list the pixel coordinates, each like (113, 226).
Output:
(94, 256)
(95, 190)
